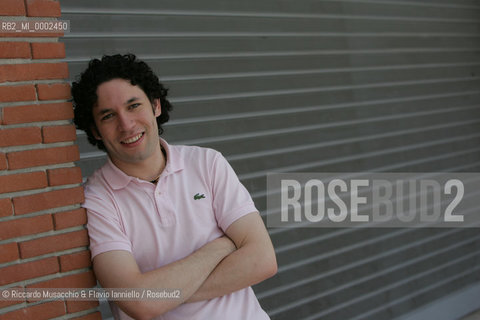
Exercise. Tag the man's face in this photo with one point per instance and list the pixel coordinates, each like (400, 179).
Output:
(126, 122)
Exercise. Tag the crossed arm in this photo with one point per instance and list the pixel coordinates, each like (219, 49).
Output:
(244, 257)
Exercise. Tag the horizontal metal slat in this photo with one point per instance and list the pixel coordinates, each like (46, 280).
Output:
(357, 7)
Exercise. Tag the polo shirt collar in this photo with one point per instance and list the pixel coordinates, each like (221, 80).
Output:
(174, 159)
(117, 179)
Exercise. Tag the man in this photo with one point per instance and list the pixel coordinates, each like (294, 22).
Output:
(163, 216)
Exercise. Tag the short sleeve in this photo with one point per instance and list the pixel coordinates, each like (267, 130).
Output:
(231, 199)
(104, 226)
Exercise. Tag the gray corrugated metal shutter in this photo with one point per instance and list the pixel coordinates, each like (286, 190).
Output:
(281, 85)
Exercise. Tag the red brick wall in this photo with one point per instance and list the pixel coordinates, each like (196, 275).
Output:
(43, 240)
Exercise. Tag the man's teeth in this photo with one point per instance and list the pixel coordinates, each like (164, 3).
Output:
(132, 140)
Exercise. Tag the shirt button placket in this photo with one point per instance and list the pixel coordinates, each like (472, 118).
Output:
(163, 207)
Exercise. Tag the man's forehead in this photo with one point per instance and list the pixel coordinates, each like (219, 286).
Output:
(119, 92)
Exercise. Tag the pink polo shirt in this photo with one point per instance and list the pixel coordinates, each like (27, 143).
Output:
(195, 200)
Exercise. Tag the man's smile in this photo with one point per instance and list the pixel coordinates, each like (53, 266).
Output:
(133, 139)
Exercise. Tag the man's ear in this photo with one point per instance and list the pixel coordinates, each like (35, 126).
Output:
(157, 107)
(95, 132)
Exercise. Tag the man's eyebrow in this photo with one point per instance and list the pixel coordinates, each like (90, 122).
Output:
(103, 111)
(132, 100)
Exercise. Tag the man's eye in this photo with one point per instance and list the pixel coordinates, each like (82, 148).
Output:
(135, 105)
(107, 116)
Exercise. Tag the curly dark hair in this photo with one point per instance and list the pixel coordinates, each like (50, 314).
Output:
(128, 67)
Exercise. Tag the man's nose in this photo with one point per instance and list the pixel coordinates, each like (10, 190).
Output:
(125, 122)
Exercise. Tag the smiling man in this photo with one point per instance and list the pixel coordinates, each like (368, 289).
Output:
(162, 216)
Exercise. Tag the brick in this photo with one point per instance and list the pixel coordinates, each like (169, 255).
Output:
(68, 219)
(46, 50)
(48, 200)
(76, 306)
(28, 270)
(63, 176)
(63, 133)
(6, 207)
(3, 161)
(12, 8)
(42, 157)
(79, 280)
(75, 261)
(25, 226)
(38, 113)
(17, 93)
(23, 181)
(43, 8)
(91, 316)
(8, 252)
(33, 71)
(6, 303)
(49, 244)
(15, 50)
(20, 136)
(54, 91)
(41, 311)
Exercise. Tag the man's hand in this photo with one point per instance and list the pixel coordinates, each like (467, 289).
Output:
(224, 243)
(118, 269)
(253, 261)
